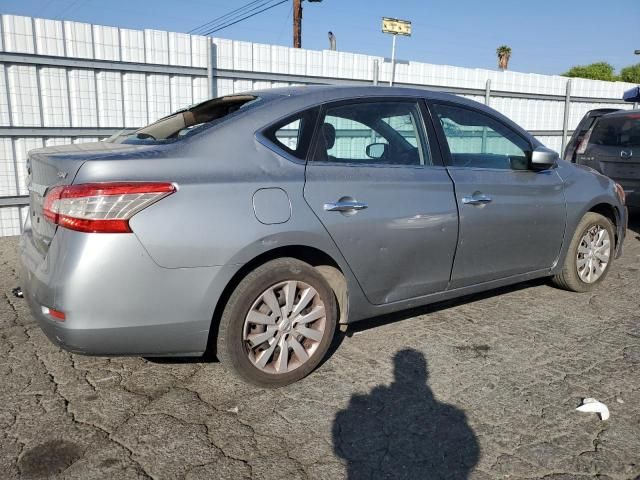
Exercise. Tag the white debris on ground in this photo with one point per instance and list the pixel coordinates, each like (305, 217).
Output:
(591, 405)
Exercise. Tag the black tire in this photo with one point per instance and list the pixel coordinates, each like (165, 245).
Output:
(231, 347)
(568, 278)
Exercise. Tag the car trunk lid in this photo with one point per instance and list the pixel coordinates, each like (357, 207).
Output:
(53, 166)
(619, 163)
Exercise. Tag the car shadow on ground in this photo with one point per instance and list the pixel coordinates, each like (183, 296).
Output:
(210, 357)
(402, 431)
(378, 321)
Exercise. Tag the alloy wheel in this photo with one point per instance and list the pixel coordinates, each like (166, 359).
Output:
(593, 255)
(284, 327)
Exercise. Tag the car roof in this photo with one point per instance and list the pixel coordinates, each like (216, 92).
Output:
(600, 111)
(351, 91)
(299, 97)
(621, 113)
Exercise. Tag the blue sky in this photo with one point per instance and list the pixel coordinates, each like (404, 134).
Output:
(547, 36)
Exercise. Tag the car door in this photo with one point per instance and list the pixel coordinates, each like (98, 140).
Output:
(384, 196)
(512, 218)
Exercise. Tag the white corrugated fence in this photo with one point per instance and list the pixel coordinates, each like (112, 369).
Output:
(65, 81)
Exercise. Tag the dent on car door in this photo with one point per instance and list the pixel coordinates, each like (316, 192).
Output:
(384, 197)
(512, 218)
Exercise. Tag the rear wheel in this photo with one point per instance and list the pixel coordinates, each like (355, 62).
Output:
(278, 323)
(589, 256)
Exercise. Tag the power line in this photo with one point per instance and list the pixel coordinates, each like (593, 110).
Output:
(67, 9)
(218, 28)
(204, 25)
(244, 9)
(286, 22)
(241, 16)
(46, 5)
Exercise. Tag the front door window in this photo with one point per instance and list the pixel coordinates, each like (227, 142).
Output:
(478, 141)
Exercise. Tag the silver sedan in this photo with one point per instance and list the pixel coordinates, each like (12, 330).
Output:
(255, 225)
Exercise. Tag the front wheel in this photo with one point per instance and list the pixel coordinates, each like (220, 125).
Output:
(278, 323)
(590, 254)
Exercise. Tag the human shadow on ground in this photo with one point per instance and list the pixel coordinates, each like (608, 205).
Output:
(401, 431)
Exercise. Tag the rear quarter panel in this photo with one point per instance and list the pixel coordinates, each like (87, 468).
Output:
(210, 220)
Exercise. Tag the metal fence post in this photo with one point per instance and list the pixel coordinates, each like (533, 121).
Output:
(393, 61)
(565, 123)
(487, 92)
(376, 71)
(210, 67)
(487, 98)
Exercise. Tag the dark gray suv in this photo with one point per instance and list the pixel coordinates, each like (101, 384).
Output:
(611, 146)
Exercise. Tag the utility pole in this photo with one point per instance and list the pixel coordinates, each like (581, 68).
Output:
(297, 23)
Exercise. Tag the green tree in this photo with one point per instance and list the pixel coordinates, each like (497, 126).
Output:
(504, 54)
(595, 71)
(631, 73)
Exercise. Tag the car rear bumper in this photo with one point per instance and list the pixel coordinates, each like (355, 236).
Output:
(116, 300)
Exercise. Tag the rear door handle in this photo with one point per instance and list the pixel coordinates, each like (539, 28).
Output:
(477, 200)
(345, 206)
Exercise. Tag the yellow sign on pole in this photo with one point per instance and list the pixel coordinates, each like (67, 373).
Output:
(396, 26)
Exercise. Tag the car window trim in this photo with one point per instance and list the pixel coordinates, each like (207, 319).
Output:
(444, 144)
(421, 125)
(437, 154)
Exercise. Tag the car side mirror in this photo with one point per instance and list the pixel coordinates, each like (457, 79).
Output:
(543, 158)
(376, 150)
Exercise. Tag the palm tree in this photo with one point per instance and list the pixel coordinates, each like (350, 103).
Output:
(504, 54)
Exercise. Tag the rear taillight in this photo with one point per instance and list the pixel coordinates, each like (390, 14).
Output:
(55, 314)
(584, 143)
(102, 207)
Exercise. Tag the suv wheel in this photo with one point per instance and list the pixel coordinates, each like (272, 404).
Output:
(589, 256)
(278, 323)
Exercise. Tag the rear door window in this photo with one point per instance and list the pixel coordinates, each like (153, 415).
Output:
(380, 133)
(617, 131)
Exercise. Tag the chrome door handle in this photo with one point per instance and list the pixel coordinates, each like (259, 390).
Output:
(476, 200)
(345, 206)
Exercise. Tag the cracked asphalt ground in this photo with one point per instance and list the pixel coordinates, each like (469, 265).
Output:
(485, 387)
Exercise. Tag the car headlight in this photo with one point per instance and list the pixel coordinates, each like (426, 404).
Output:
(620, 191)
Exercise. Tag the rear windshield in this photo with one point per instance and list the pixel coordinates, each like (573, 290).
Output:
(617, 131)
(189, 121)
(586, 124)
